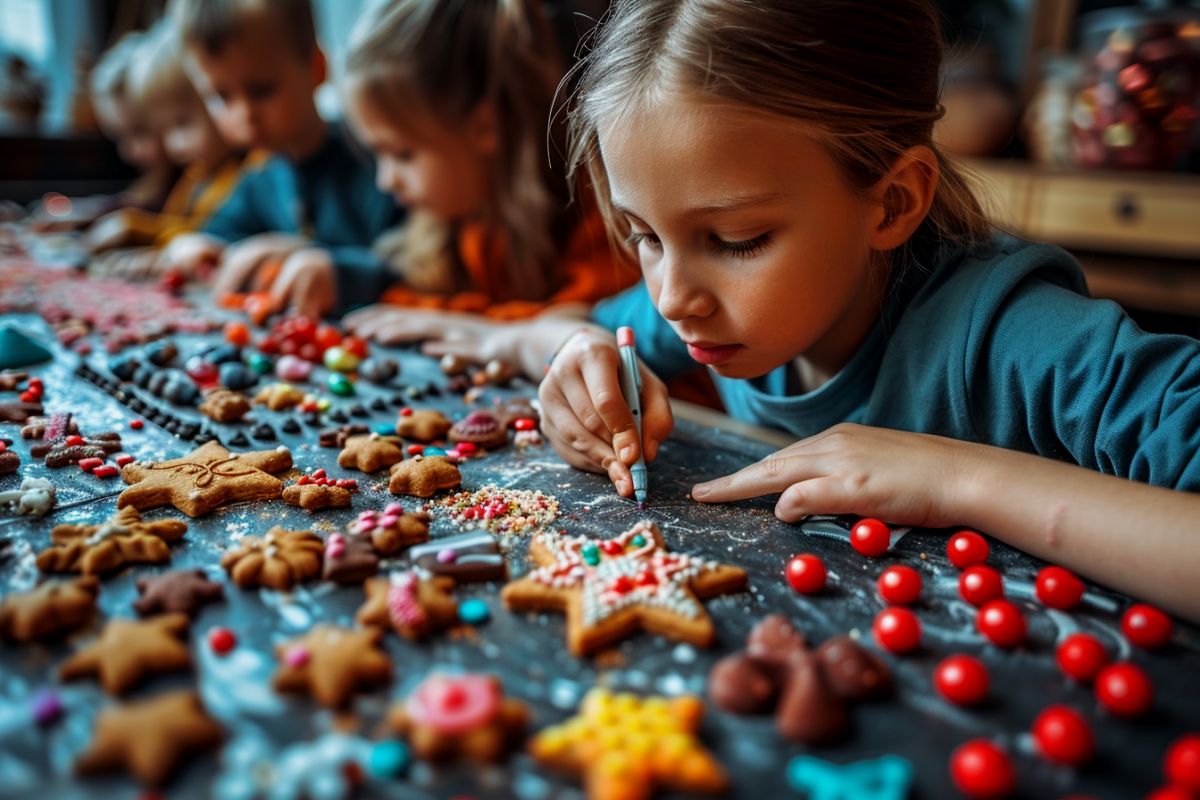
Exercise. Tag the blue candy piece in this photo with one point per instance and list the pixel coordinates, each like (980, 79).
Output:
(385, 429)
(388, 759)
(433, 451)
(180, 390)
(473, 611)
(236, 375)
(260, 363)
(885, 778)
(223, 354)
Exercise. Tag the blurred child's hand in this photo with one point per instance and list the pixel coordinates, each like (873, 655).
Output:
(188, 252)
(903, 478)
(135, 263)
(307, 283)
(584, 413)
(242, 260)
(113, 230)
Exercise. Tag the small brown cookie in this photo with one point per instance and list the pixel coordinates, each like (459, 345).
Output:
(222, 405)
(412, 605)
(426, 425)
(53, 609)
(179, 592)
(424, 476)
(349, 560)
(54, 426)
(460, 716)
(279, 560)
(371, 452)
(332, 663)
(208, 477)
(10, 462)
(314, 497)
(130, 650)
(11, 379)
(73, 449)
(97, 549)
(394, 529)
(19, 411)
(482, 429)
(279, 396)
(150, 738)
(336, 437)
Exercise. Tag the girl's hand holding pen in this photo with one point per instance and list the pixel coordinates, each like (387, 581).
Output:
(584, 413)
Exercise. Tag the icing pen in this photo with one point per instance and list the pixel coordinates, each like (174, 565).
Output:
(631, 387)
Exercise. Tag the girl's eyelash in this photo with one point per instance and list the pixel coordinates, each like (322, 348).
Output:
(747, 248)
(635, 239)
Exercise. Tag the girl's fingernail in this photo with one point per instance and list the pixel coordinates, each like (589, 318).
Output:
(699, 490)
(626, 452)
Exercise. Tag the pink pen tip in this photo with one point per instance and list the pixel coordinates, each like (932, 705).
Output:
(625, 337)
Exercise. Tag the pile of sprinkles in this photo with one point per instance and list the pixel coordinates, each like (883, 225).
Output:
(502, 511)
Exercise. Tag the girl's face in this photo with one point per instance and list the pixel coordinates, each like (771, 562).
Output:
(754, 247)
(425, 165)
(189, 136)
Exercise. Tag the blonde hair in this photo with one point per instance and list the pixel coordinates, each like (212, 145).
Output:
(157, 74)
(446, 57)
(109, 77)
(863, 74)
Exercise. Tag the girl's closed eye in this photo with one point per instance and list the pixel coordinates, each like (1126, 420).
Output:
(744, 248)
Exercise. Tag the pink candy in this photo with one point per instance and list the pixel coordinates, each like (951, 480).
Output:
(291, 368)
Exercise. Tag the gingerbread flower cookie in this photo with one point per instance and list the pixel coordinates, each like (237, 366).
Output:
(425, 425)
(222, 405)
(129, 651)
(609, 588)
(371, 452)
(208, 477)
(394, 529)
(626, 746)
(150, 738)
(411, 604)
(332, 663)
(424, 476)
(349, 559)
(460, 716)
(180, 592)
(278, 560)
(279, 396)
(53, 609)
(97, 549)
(482, 429)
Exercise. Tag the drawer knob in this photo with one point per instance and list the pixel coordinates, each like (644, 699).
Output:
(1127, 208)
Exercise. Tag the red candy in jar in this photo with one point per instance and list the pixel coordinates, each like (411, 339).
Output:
(981, 770)
(1002, 623)
(962, 679)
(1063, 735)
(1081, 656)
(1124, 689)
(966, 548)
(899, 585)
(806, 573)
(1182, 762)
(1146, 626)
(870, 537)
(980, 584)
(1058, 588)
(897, 630)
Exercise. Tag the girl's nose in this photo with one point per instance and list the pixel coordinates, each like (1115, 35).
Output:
(682, 293)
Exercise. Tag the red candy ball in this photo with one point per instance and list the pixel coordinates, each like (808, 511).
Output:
(1146, 626)
(1170, 793)
(237, 333)
(1124, 689)
(1182, 763)
(870, 537)
(980, 584)
(899, 585)
(982, 770)
(962, 680)
(806, 573)
(1063, 735)
(897, 630)
(326, 336)
(966, 548)
(355, 345)
(1059, 588)
(1081, 656)
(221, 640)
(1002, 623)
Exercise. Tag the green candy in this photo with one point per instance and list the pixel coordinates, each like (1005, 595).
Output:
(260, 363)
(339, 359)
(638, 541)
(591, 554)
(340, 385)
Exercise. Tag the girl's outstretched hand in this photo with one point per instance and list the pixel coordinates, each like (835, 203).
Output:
(584, 413)
(903, 478)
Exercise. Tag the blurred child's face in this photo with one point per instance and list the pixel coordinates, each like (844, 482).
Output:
(259, 91)
(138, 143)
(754, 247)
(425, 165)
(189, 136)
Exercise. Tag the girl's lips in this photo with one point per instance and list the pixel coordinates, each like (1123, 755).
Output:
(714, 354)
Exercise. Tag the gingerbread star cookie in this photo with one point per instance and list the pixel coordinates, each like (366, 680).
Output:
(332, 663)
(222, 405)
(371, 452)
(130, 650)
(208, 477)
(180, 592)
(53, 609)
(411, 604)
(97, 549)
(150, 738)
(279, 396)
(278, 560)
(424, 476)
(426, 425)
(394, 529)
(460, 716)
(627, 746)
(349, 559)
(610, 588)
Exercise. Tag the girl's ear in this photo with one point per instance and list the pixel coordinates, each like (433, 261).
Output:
(903, 197)
(320, 67)
(483, 129)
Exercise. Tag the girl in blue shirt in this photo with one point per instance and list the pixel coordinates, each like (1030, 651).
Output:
(771, 165)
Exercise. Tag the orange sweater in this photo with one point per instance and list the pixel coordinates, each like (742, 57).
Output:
(588, 272)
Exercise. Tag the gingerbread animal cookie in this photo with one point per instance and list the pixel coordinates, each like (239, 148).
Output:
(332, 663)
(394, 529)
(222, 405)
(150, 738)
(482, 429)
(425, 425)
(411, 604)
(97, 549)
(73, 449)
(279, 396)
(315, 496)
(278, 560)
(609, 588)
(129, 651)
(53, 609)
(460, 716)
(208, 477)
(371, 452)
(424, 476)
(179, 592)
(626, 746)
(349, 559)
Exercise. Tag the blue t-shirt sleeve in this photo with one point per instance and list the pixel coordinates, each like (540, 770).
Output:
(361, 276)
(1078, 380)
(657, 345)
(239, 216)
